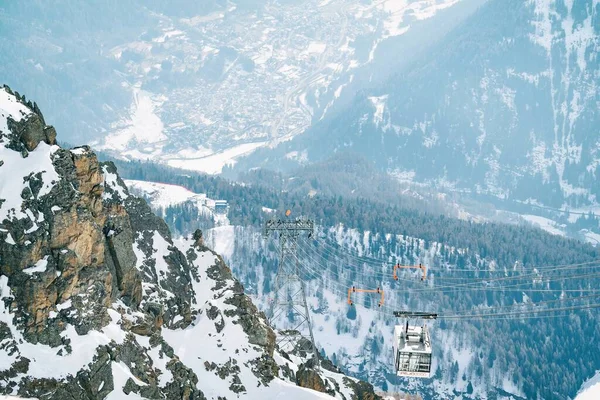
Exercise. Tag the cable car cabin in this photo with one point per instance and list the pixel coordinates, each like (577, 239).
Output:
(412, 349)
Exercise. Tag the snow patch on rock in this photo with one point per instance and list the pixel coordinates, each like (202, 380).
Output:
(39, 161)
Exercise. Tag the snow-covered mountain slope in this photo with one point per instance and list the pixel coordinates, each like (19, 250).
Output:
(98, 302)
(170, 201)
(163, 195)
(359, 338)
(474, 268)
(198, 86)
(504, 105)
(590, 390)
(472, 357)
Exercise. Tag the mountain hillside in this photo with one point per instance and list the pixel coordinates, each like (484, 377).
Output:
(97, 301)
(505, 105)
(199, 84)
(590, 390)
(513, 301)
(498, 356)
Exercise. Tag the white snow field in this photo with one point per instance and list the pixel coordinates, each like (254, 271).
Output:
(590, 390)
(163, 195)
(38, 161)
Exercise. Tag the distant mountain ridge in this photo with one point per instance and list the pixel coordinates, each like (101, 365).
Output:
(505, 104)
(198, 86)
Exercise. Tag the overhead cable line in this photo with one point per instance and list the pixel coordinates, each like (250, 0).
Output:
(470, 281)
(474, 283)
(472, 286)
(492, 315)
(553, 309)
(527, 306)
(332, 250)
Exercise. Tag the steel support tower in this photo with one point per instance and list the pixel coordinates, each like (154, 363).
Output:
(289, 291)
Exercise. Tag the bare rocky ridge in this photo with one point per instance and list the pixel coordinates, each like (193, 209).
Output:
(98, 301)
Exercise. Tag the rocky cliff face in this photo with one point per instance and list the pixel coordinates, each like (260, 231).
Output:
(98, 301)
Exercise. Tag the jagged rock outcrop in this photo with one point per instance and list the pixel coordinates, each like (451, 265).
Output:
(309, 378)
(53, 249)
(98, 301)
(28, 132)
(328, 379)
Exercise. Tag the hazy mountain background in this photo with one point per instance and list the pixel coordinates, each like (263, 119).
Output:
(488, 100)
(506, 105)
(406, 128)
(190, 80)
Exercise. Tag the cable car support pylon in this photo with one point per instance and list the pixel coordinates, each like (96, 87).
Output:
(289, 289)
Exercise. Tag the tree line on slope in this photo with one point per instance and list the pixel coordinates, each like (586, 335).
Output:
(519, 343)
(506, 244)
(540, 355)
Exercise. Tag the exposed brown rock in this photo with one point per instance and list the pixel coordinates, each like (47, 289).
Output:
(89, 179)
(80, 234)
(69, 237)
(198, 237)
(308, 378)
(50, 134)
(32, 130)
(362, 390)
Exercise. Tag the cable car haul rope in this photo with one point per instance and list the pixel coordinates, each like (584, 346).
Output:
(412, 341)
